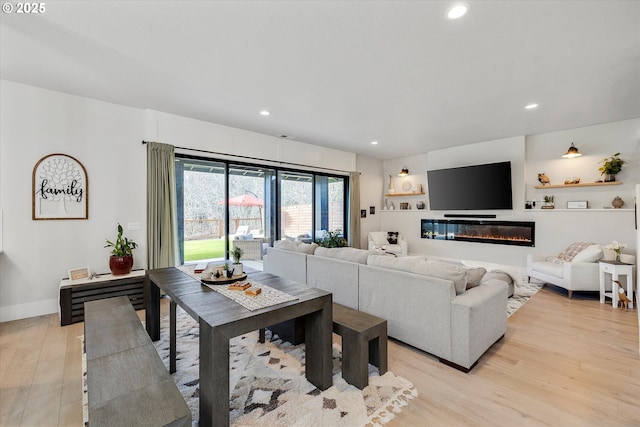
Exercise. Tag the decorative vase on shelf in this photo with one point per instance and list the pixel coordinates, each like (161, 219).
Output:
(618, 256)
(392, 188)
(617, 203)
(609, 178)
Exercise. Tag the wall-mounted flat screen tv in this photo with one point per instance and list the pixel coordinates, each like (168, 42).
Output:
(479, 187)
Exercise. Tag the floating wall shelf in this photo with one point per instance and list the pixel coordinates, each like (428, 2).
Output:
(586, 184)
(404, 194)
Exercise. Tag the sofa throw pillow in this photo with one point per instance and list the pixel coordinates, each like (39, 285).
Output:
(392, 237)
(286, 245)
(573, 250)
(591, 253)
(307, 248)
(379, 237)
(445, 270)
(474, 276)
(499, 275)
(406, 264)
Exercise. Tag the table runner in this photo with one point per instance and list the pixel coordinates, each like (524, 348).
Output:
(268, 297)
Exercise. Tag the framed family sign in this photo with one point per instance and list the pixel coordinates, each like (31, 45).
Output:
(60, 189)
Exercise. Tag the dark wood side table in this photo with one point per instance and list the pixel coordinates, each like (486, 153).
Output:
(74, 293)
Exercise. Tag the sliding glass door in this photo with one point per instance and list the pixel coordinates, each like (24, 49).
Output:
(221, 201)
(201, 209)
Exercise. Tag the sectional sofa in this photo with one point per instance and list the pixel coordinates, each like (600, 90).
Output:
(453, 312)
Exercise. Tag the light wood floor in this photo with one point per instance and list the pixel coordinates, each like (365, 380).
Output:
(562, 363)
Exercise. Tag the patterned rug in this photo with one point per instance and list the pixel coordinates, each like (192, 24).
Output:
(521, 294)
(268, 385)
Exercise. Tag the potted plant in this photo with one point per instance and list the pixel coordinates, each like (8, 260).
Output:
(333, 239)
(548, 202)
(121, 259)
(611, 166)
(236, 254)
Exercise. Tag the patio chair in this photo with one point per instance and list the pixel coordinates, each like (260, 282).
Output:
(251, 248)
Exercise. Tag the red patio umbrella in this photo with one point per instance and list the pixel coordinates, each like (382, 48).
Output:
(245, 200)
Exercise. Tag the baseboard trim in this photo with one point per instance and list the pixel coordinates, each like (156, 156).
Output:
(30, 309)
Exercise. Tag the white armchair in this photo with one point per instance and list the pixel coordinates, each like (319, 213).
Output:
(580, 274)
(379, 240)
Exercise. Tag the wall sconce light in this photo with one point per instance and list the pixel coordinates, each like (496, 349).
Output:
(572, 152)
(404, 171)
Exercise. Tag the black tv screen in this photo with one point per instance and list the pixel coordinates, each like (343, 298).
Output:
(480, 187)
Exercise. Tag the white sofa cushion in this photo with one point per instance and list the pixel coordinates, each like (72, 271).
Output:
(592, 253)
(345, 254)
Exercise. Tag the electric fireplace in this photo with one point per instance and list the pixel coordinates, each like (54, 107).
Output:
(519, 233)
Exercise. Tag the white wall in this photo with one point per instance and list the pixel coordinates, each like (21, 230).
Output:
(196, 134)
(105, 138)
(371, 180)
(555, 229)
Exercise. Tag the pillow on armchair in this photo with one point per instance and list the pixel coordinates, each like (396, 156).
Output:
(379, 237)
(392, 237)
(574, 249)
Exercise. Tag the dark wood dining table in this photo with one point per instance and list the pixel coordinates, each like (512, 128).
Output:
(221, 319)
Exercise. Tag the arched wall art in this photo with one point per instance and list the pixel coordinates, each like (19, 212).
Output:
(60, 189)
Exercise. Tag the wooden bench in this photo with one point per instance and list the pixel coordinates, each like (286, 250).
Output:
(364, 341)
(127, 382)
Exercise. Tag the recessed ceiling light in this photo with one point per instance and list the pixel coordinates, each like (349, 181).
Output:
(264, 113)
(531, 106)
(374, 142)
(457, 11)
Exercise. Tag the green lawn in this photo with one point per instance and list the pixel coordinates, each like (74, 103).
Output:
(195, 250)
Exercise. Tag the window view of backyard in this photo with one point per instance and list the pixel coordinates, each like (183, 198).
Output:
(304, 199)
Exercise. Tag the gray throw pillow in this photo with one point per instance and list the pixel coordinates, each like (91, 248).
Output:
(474, 276)
(448, 271)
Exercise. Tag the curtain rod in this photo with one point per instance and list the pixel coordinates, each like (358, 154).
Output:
(256, 158)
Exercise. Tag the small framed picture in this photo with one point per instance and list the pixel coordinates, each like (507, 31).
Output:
(372, 210)
(79, 273)
(363, 213)
(580, 204)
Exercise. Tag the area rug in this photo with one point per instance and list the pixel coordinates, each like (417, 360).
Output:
(521, 294)
(269, 388)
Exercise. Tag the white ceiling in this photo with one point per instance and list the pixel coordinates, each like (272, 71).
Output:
(341, 74)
